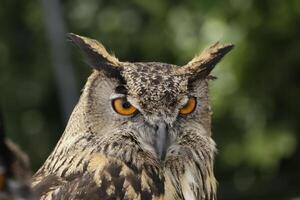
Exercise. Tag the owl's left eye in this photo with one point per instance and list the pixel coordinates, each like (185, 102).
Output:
(123, 107)
(189, 107)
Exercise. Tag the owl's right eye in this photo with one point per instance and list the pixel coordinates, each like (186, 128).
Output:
(123, 107)
(189, 107)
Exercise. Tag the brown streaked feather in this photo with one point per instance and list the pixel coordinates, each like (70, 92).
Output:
(206, 61)
(49, 184)
(191, 174)
(105, 178)
(97, 55)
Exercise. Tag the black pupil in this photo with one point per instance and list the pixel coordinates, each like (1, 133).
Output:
(186, 105)
(126, 104)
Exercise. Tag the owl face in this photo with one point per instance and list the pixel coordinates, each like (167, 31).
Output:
(155, 102)
(156, 91)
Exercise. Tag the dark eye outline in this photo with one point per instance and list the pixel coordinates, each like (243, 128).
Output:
(128, 110)
(191, 102)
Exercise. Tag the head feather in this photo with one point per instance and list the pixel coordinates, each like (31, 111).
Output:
(97, 55)
(202, 64)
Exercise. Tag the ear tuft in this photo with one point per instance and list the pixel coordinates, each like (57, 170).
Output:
(97, 55)
(202, 64)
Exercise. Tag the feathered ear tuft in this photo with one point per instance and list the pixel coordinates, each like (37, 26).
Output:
(97, 55)
(204, 63)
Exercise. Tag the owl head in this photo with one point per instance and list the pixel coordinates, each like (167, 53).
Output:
(155, 102)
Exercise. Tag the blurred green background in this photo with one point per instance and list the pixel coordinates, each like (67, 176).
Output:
(256, 98)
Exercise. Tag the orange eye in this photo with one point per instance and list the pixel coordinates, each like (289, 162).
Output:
(123, 107)
(189, 107)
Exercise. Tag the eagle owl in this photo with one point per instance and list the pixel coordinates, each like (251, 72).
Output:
(139, 131)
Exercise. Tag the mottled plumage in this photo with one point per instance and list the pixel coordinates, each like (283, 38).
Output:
(156, 153)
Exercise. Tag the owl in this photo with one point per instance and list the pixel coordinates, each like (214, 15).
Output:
(15, 171)
(140, 130)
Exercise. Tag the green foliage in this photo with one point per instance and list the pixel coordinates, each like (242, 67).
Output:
(256, 99)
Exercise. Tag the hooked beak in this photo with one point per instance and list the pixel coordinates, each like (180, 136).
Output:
(162, 140)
